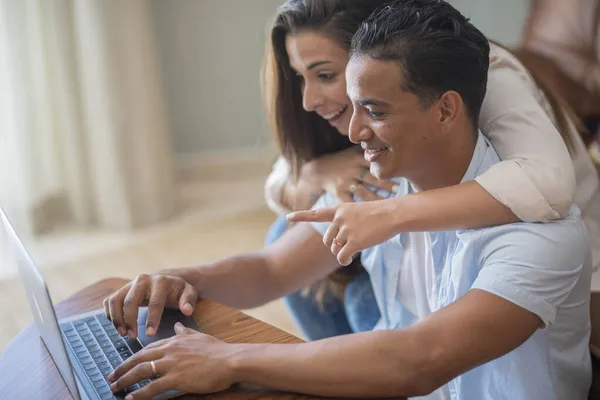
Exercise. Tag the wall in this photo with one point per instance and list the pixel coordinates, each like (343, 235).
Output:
(211, 53)
(502, 20)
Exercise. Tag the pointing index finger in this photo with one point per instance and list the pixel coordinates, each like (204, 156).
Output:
(321, 215)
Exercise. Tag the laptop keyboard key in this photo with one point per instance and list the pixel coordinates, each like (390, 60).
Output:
(125, 354)
(79, 349)
(103, 320)
(86, 359)
(130, 389)
(122, 347)
(95, 375)
(104, 390)
(101, 384)
(96, 353)
(115, 363)
(143, 383)
(91, 366)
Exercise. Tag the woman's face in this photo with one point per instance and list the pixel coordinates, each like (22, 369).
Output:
(321, 63)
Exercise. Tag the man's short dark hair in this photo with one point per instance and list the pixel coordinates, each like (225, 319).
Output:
(437, 48)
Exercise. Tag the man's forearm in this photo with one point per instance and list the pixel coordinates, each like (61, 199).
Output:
(242, 281)
(373, 364)
(476, 329)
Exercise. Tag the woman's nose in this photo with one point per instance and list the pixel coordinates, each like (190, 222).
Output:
(312, 98)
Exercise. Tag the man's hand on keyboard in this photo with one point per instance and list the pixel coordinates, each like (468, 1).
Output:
(157, 291)
(190, 362)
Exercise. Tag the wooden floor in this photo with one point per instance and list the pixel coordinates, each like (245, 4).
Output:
(185, 242)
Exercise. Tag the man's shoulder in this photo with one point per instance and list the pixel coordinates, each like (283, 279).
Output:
(562, 241)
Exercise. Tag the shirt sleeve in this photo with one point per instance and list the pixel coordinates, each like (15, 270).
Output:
(537, 266)
(536, 179)
(274, 186)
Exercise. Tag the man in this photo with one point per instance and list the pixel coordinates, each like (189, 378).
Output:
(498, 313)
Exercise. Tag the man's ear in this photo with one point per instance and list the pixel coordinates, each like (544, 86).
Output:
(450, 106)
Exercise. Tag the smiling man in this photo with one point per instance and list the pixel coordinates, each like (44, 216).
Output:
(497, 313)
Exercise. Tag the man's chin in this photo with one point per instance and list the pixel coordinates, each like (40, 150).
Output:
(379, 172)
(383, 173)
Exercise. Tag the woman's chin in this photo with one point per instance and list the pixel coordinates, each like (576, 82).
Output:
(342, 126)
(343, 132)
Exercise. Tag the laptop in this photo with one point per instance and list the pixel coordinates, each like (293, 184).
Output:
(86, 348)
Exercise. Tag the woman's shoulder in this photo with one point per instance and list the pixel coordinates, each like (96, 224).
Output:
(507, 70)
(503, 59)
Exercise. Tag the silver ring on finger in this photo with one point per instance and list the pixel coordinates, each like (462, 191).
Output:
(337, 242)
(352, 188)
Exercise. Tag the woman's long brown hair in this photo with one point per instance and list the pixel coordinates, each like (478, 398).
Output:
(303, 136)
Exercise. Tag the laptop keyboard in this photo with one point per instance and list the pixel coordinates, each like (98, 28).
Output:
(99, 349)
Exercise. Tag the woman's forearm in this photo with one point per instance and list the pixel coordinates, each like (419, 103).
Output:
(464, 206)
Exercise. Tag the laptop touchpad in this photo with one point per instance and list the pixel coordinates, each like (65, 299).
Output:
(166, 328)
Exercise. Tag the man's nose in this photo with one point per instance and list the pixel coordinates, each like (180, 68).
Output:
(311, 98)
(358, 131)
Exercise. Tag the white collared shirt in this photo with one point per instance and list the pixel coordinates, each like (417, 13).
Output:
(543, 268)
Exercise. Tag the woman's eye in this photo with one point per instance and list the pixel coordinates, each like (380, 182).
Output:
(326, 77)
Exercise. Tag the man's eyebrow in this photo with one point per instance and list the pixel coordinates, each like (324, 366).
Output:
(371, 102)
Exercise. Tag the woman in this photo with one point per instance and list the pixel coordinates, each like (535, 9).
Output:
(305, 93)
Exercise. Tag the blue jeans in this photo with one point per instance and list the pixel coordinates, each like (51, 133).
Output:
(358, 313)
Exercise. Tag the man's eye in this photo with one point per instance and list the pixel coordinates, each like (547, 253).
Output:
(375, 114)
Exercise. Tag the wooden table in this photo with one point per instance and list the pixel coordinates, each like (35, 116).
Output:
(28, 372)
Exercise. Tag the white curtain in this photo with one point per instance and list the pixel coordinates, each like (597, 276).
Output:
(83, 134)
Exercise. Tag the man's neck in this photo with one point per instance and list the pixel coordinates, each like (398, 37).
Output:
(447, 162)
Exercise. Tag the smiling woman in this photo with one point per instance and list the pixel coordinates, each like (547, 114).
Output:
(305, 88)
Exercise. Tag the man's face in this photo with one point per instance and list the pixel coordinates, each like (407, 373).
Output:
(390, 123)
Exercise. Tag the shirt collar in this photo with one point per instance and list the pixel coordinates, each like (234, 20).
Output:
(476, 159)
